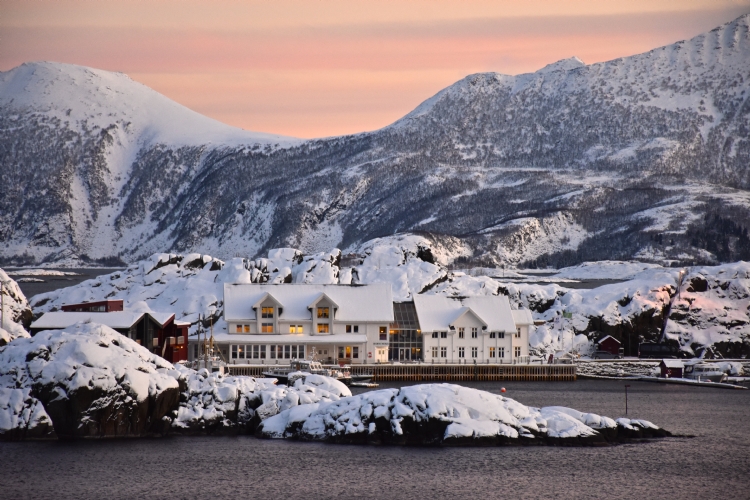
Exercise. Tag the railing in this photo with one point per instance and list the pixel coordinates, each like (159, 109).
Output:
(466, 372)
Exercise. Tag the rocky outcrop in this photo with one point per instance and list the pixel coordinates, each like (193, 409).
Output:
(449, 415)
(88, 381)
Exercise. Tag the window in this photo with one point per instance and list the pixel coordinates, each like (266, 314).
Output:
(272, 354)
(322, 327)
(434, 335)
(234, 352)
(461, 331)
(348, 328)
(355, 352)
(287, 351)
(242, 329)
(323, 312)
(434, 352)
(239, 329)
(461, 352)
(295, 328)
(383, 333)
(341, 351)
(294, 352)
(443, 335)
(241, 352)
(246, 328)
(266, 312)
(301, 351)
(492, 335)
(501, 352)
(356, 328)
(474, 352)
(474, 332)
(195, 351)
(352, 328)
(517, 351)
(518, 333)
(492, 352)
(501, 335)
(259, 352)
(266, 328)
(443, 352)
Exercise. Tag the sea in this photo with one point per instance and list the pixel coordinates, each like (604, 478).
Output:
(709, 458)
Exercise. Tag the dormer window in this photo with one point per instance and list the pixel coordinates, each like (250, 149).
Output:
(266, 312)
(323, 313)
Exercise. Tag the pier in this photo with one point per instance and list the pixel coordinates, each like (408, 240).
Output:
(444, 373)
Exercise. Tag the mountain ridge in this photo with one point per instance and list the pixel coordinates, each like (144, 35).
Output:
(641, 157)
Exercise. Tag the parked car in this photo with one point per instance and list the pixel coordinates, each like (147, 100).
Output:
(599, 354)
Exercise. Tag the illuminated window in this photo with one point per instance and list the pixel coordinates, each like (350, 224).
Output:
(266, 328)
(322, 327)
(492, 352)
(295, 328)
(239, 329)
(323, 312)
(266, 312)
(246, 328)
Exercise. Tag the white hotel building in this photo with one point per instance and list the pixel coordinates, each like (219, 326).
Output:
(272, 324)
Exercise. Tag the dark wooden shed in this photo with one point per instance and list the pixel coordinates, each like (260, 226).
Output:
(610, 344)
(671, 368)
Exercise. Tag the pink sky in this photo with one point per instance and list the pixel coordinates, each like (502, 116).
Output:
(318, 68)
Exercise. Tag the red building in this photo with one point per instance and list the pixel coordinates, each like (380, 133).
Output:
(100, 306)
(158, 332)
(610, 345)
(671, 368)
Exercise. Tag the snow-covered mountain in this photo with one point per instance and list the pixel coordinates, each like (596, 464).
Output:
(641, 157)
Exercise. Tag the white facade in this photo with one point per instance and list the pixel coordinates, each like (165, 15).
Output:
(272, 324)
(473, 329)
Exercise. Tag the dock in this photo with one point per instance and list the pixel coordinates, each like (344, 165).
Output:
(423, 372)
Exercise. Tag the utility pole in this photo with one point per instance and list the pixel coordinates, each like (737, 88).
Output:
(626, 398)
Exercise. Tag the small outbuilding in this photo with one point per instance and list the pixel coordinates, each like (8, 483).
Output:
(671, 368)
(610, 345)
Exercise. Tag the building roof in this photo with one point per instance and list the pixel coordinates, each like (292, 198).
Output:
(58, 319)
(673, 363)
(347, 338)
(608, 337)
(117, 319)
(438, 312)
(522, 317)
(366, 303)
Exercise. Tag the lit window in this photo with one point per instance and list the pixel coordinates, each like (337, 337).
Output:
(246, 328)
(383, 333)
(443, 352)
(434, 352)
(474, 332)
(461, 352)
(323, 313)
(266, 328)
(322, 327)
(267, 312)
(295, 328)
(239, 329)
(461, 331)
(241, 352)
(474, 352)
(492, 352)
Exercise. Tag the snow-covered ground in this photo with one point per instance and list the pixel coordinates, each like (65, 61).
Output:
(40, 272)
(15, 310)
(711, 309)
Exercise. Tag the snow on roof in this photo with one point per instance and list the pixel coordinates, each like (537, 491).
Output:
(673, 363)
(118, 319)
(608, 337)
(438, 312)
(355, 303)
(522, 317)
(347, 338)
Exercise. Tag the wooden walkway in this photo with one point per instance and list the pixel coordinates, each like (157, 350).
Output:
(445, 373)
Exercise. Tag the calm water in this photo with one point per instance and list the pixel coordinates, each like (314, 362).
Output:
(714, 464)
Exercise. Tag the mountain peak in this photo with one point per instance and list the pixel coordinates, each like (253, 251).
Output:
(563, 65)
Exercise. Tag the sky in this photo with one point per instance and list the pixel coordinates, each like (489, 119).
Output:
(319, 68)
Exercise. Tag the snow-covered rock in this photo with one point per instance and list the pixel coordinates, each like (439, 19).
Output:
(88, 381)
(446, 414)
(16, 310)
